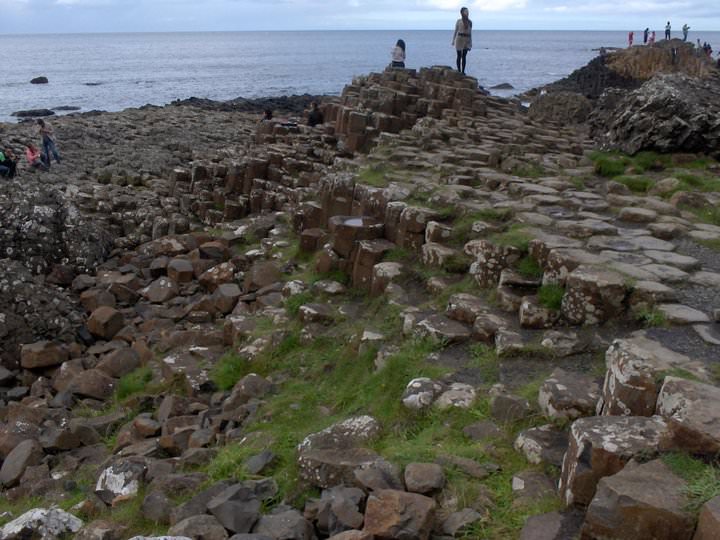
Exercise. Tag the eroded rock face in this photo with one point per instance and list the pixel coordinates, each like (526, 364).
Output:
(670, 112)
(401, 515)
(601, 446)
(561, 107)
(41, 523)
(644, 502)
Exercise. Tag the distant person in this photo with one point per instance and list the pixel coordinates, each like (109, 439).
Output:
(674, 53)
(603, 52)
(631, 38)
(315, 116)
(398, 54)
(267, 116)
(685, 30)
(48, 142)
(462, 39)
(646, 34)
(8, 164)
(668, 30)
(652, 37)
(698, 43)
(34, 158)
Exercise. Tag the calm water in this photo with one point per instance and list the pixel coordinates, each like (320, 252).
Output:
(115, 71)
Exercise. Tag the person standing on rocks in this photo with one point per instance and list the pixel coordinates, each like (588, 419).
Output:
(631, 38)
(652, 37)
(48, 142)
(462, 39)
(315, 116)
(646, 33)
(398, 54)
(668, 30)
(685, 29)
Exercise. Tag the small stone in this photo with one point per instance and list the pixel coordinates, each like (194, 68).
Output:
(424, 477)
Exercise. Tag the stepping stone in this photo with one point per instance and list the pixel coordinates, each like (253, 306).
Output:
(600, 446)
(552, 526)
(667, 273)
(543, 444)
(692, 410)
(706, 279)
(593, 295)
(642, 502)
(679, 314)
(444, 329)
(708, 333)
(650, 293)
(531, 487)
(397, 514)
(567, 395)
(633, 214)
(683, 262)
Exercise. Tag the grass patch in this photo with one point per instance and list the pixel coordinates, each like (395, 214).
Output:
(550, 296)
(516, 236)
(703, 479)
(636, 184)
(711, 244)
(651, 161)
(709, 214)
(133, 383)
(529, 267)
(374, 175)
(462, 227)
(651, 317)
(229, 370)
(485, 359)
(293, 303)
(610, 164)
(398, 254)
(529, 170)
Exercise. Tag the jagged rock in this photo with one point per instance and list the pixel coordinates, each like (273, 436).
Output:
(601, 446)
(567, 395)
(396, 514)
(561, 107)
(669, 113)
(237, 508)
(43, 354)
(41, 523)
(645, 501)
(202, 527)
(26, 454)
(337, 510)
(424, 477)
(285, 525)
(101, 530)
(635, 367)
(198, 504)
(593, 295)
(709, 520)
(123, 479)
(692, 410)
(105, 322)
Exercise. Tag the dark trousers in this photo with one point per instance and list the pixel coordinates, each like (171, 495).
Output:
(48, 149)
(462, 60)
(8, 168)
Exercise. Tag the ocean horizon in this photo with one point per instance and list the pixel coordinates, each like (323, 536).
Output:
(115, 71)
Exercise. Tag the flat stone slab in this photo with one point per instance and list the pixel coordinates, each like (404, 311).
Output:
(706, 279)
(709, 333)
(683, 262)
(680, 314)
(665, 272)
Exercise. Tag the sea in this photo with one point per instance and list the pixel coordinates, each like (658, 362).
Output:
(115, 71)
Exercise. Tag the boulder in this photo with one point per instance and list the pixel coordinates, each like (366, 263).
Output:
(543, 444)
(337, 510)
(161, 290)
(105, 322)
(39, 80)
(203, 527)
(43, 354)
(92, 383)
(424, 477)
(400, 515)
(285, 525)
(120, 480)
(237, 508)
(24, 455)
(421, 393)
(709, 520)
(42, 523)
(593, 295)
(692, 410)
(600, 446)
(642, 502)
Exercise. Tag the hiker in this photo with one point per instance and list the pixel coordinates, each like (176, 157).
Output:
(315, 117)
(668, 30)
(462, 39)
(398, 54)
(34, 158)
(652, 37)
(685, 30)
(267, 116)
(8, 164)
(646, 34)
(631, 38)
(48, 142)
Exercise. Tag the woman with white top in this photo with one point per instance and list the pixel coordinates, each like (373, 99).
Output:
(398, 54)
(462, 39)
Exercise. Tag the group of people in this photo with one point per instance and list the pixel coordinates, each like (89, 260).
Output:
(649, 36)
(36, 159)
(461, 41)
(314, 116)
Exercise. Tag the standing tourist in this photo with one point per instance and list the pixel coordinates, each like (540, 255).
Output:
(398, 54)
(315, 116)
(462, 39)
(646, 33)
(652, 37)
(48, 142)
(668, 30)
(685, 29)
(631, 38)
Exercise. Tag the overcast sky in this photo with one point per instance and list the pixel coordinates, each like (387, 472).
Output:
(24, 16)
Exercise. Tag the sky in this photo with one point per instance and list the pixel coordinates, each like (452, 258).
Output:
(70, 16)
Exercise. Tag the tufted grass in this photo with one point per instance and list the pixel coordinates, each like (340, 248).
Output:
(651, 317)
(133, 383)
(550, 296)
(636, 184)
(529, 267)
(374, 175)
(515, 236)
(703, 478)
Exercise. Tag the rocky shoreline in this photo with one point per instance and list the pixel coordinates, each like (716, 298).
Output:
(439, 315)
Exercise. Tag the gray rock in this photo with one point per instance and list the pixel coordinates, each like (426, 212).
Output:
(202, 527)
(42, 523)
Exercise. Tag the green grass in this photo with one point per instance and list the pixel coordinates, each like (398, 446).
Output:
(374, 175)
(709, 214)
(133, 383)
(651, 317)
(398, 254)
(550, 296)
(609, 165)
(485, 359)
(530, 170)
(466, 285)
(529, 267)
(612, 164)
(703, 479)
(711, 244)
(516, 236)
(636, 184)
(293, 303)
(678, 373)
(229, 370)
(651, 161)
